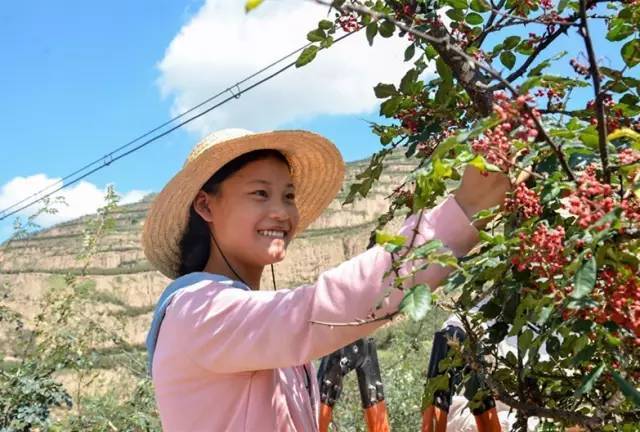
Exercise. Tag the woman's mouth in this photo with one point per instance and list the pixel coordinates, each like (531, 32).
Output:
(273, 233)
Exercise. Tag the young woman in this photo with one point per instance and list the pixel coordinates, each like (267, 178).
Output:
(226, 356)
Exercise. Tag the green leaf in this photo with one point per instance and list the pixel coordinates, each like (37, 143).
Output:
(474, 18)
(508, 59)
(325, 24)
(443, 70)
(525, 48)
(631, 52)
(390, 107)
(417, 302)
(427, 248)
(444, 147)
(562, 4)
(480, 6)
(458, 4)
(620, 31)
(383, 237)
(327, 42)
(585, 278)
(586, 354)
(627, 388)
(589, 381)
(386, 29)
(251, 5)
(441, 170)
(409, 52)
(482, 165)
(530, 83)
(539, 68)
(430, 52)
(372, 31)
(455, 14)
(409, 78)
(589, 137)
(624, 133)
(307, 55)
(511, 42)
(317, 35)
(629, 99)
(383, 91)
(483, 214)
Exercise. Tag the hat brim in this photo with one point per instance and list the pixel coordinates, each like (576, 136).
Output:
(317, 171)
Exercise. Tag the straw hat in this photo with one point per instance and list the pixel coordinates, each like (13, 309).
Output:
(316, 167)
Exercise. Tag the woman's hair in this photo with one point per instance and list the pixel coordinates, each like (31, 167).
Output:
(195, 245)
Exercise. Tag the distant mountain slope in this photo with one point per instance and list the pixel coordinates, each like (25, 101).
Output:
(129, 287)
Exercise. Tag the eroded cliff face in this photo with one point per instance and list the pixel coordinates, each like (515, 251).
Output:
(127, 287)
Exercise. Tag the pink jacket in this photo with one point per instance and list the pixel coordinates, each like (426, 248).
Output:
(232, 360)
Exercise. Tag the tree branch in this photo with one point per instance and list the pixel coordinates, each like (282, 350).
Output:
(539, 48)
(566, 417)
(454, 55)
(595, 76)
(359, 322)
(468, 75)
(488, 27)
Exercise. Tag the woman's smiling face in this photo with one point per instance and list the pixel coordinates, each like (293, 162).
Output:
(254, 214)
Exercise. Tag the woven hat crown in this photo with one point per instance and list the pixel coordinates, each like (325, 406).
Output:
(213, 139)
(317, 170)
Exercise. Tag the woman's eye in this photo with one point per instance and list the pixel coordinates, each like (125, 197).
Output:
(263, 193)
(291, 196)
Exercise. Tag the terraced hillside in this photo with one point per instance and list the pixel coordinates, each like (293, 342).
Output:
(123, 281)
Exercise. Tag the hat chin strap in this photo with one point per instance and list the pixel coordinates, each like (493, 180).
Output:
(273, 276)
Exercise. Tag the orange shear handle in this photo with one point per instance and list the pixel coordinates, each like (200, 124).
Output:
(488, 421)
(377, 418)
(326, 415)
(434, 419)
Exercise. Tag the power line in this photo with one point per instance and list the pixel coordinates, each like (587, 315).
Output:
(110, 157)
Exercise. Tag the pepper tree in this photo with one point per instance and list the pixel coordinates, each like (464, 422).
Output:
(557, 265)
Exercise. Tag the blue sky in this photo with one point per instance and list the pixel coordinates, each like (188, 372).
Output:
(79, 78)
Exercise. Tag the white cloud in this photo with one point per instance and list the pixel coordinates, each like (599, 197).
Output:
(221, 45)
(81, 198)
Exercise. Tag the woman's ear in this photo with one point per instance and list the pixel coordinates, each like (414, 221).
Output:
(202, 206)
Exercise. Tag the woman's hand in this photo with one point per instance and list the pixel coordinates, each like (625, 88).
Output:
(479, 191)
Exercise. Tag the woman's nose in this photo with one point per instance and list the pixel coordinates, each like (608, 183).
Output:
(279, 211)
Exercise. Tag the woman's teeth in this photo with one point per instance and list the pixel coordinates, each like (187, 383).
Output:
(276, 234)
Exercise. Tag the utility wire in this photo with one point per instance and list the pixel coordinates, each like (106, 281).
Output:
(110, 157)
(107, 157)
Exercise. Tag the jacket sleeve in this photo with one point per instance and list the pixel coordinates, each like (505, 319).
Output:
(231, 330)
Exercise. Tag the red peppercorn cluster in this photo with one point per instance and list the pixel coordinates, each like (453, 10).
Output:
(546, 4)
(615, 118)
(408, 11)
(408, 119)
(631, 209)
(621, 300)
(413, 119)
(460, 33)
(349, 22)
(552, 95)
(591, 200)
(479, 55)
(542, 251)
(524, 200)
(628, 156)
(496, 143)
